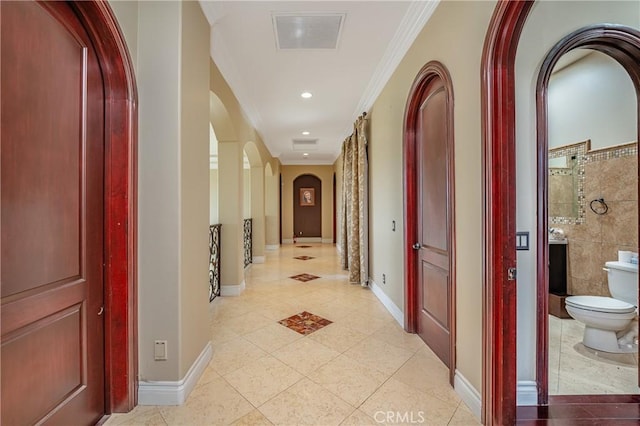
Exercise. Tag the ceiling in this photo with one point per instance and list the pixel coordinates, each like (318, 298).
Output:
(268, 73)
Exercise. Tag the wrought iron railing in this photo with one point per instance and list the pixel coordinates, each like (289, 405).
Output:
(248, 250)
(214, 261)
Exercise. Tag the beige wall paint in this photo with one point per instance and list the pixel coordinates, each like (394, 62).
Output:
(194, 183)
(271, 206)
(325, 174)
(162, 37)
(454, 36)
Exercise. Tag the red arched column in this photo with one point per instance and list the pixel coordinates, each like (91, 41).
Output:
(498, 133)
(121, 136)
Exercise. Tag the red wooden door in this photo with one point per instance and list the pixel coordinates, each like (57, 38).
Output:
(52, 149)
(434, 221)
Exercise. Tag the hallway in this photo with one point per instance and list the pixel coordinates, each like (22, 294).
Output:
(361, 369)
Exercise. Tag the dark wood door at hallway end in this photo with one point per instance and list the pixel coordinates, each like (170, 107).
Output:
(52, 206)
(307, 219)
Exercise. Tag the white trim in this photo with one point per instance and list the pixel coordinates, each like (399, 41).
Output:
(287, 241)
(387, 302)
(272, 247)
(308, 239)
(257, 259)
(414, 20)
(327, 241)
(526, 392)
(469, 395)
(232, 290)
(175, 393)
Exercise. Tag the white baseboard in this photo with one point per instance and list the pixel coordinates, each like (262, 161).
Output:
(308, 239)
(396, 312)
(526, 392)
(272, 247)
(175, 393)
(469, 395)
(327, 241)
(258, 259)
(287, 241)
(232, 290)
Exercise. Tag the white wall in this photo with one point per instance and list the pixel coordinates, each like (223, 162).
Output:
(548, 23)
(246, 193)
(592, 98)
(213, 196)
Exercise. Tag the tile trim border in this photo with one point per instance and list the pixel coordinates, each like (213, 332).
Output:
(394, 310)
(175, 393)
(469, 395)
(232, 290)
(526, 392)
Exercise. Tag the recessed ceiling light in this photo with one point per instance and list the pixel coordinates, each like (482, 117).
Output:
(306, 154)
(305, 133)
(306, 95)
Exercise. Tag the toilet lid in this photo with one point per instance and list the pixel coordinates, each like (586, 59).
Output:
(600, 304)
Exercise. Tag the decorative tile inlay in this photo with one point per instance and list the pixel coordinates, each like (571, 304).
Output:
(304, 277)
(305, 322)
(304, 257)
(303, 246)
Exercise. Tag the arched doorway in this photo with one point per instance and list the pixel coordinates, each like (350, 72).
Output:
(307, 207)
(429, 205)
(498, 94)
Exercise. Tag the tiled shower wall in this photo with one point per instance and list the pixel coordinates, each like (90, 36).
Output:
(611, 174)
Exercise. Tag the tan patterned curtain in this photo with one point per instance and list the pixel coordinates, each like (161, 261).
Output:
(354, 242)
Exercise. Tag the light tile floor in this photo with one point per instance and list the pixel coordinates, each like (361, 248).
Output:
(575, 369)
(362, 369)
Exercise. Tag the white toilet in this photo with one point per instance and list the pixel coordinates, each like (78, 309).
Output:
(610, 324)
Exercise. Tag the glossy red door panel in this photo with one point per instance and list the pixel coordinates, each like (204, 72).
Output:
(52, 178)
(429, 206)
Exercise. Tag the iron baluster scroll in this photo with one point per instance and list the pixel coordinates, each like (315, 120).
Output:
(248, 250)
(214, 261)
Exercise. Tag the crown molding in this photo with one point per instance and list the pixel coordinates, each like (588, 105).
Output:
(416, 17)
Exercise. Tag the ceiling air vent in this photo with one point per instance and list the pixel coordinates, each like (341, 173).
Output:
(307, 31)
(305, 144)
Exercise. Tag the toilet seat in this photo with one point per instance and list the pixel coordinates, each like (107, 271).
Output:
(600, 304)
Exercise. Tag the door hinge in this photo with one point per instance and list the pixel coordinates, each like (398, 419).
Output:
(511, 274)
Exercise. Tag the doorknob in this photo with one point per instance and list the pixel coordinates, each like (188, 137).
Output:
(416, 246)
(101, 310)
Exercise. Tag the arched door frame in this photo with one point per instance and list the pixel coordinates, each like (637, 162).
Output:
(498, 123)
(623, 45)
(426, 75)
(121, 134)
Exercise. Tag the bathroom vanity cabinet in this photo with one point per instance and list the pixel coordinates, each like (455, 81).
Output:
(558, 278)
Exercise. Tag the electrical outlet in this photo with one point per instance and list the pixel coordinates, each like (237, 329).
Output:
(384, 278)
(160, 350)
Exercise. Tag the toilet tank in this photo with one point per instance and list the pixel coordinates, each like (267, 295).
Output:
(622, 278)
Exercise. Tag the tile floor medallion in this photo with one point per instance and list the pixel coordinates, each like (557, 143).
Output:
(338, 357)
(305, 322)
(304, 277)
(304, 246)
(304, 257)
